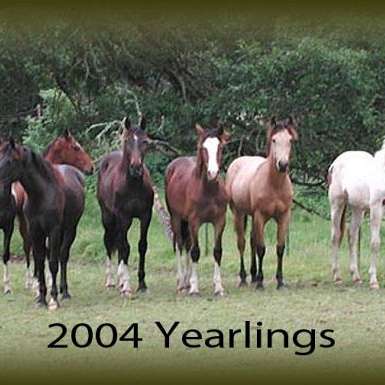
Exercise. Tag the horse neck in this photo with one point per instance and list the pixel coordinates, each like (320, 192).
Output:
(34, 181)
(275, 178)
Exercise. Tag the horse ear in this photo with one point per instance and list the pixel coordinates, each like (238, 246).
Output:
(225, 136)
(273, 122)
(143, 123)
(199, 129)
(67, 133)
(126, 127)
(12, 143)
(293, 133)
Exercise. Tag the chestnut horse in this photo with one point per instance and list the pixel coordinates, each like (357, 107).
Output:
(53, 209)
(65, 149)
(7, 220)
(195, 194)
(124, 192)
(356, 179)
(261, 187)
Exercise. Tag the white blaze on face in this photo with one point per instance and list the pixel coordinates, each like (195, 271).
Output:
(212, 145)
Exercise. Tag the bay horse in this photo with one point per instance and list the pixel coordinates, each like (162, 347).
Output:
(261, 188)
(7, 220)
(356, 179)
(195, 194)
(64, 149)
(53, 209)
(124, 192)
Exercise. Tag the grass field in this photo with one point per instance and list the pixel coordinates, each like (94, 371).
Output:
(311, 301)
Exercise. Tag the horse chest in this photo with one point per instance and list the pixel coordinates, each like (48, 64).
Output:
(273, 205)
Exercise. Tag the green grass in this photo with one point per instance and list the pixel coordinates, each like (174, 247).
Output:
(311, 301)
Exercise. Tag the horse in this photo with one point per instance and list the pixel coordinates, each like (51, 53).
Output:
(64, 149)
(261, 188)
(195, 194)
(53, 209)
(124, 192)
(356, 179)
(7, 220)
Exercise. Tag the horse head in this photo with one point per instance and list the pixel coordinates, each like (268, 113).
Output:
(210, 148)
(135, 145)
(11, 161)
(280, 136)
(66, 150)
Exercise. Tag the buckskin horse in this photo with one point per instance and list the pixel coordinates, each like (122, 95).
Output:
(356, 179)
(53, 209)
(195, 194)
(261, 187)
(64, 149)
(124, 192)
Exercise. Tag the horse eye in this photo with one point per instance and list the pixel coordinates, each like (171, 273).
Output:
(76, 148)
(273, 140)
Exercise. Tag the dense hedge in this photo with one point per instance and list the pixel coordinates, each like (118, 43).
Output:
(330, 77)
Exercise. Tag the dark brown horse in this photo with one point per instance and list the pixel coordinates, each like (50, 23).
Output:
(195, 194)
(7, 220)
(53, 209)
(125, 192)
(65, 149)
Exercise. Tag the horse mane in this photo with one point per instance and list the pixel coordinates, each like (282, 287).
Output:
(42, 166)
(48, 148)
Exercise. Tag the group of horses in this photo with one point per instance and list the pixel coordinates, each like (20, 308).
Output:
(46, 193)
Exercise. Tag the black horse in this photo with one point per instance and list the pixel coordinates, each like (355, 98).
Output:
(7, 220)
(53, 209)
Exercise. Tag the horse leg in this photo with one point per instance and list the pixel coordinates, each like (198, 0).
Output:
(123, 255)
(218, 230)
(375, 226)
(258, 244)
(68, 239)
(195, 254)
(176, 224)
(23, 229)
(142, 247)
(239, 225)
(109, 223)
(54, 242)
(353, 243)
(337, 209)
(187, 247)
(8, 230)
(39, 252)
(282, 226)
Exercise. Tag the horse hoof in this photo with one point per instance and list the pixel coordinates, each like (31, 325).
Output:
(242, 283)
(338, 281)
(259, 286)
(110, 286)
(357, 281)
(194, 294)
(126, 294)
(374, 286)
(219, 293)
(7, 291)
(141, 289)
(281, 286)
(41, 303)
(66, 296)
(53, 305)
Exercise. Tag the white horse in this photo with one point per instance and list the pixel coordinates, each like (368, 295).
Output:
(357, 179)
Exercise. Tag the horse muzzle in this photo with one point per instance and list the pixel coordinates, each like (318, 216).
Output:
(282, 166)
(136, 171)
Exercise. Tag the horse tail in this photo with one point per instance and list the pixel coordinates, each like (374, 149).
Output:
(342, 224)
(163, 216)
